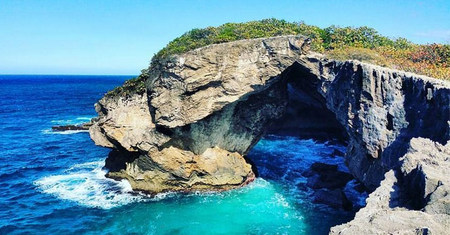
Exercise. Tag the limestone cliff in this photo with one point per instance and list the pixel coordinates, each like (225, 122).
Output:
(204, 110)
(225, 96)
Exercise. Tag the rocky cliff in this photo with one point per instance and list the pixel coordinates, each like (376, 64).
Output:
(203, 111)
(414, 199)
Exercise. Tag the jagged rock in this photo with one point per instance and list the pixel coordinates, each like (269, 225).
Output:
(337, 153)
(323, 167)
(203, 81)
(126, 123)
(228, 95)
(204, 110)
(425, 174)
(411, 200)
(81, 127)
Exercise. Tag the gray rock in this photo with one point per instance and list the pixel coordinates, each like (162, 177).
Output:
(425, 174)
(410, 200)
(79, 127)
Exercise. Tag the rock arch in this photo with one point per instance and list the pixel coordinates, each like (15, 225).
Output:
(205, 109)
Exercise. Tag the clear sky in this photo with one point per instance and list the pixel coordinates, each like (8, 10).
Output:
(119, 37)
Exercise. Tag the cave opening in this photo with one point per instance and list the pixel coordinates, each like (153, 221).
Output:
(304, 153)
(306, 114)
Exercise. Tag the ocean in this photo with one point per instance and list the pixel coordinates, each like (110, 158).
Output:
(54, 183)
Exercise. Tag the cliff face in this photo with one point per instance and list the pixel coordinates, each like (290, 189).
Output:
(205, 109)
(381, 110)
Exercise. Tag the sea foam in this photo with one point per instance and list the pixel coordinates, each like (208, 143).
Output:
(87, 185)
(69, 132)
(72, 121)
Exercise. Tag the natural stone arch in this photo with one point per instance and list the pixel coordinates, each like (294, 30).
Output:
(206, 108)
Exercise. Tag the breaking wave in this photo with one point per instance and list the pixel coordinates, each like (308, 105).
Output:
(87, 185)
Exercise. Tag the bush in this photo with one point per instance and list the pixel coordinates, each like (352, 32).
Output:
(358, 53)
(342, 43)
(132, 86)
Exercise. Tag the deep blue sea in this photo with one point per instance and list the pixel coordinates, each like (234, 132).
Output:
(53, 183)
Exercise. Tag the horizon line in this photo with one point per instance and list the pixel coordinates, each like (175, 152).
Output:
(54, 74)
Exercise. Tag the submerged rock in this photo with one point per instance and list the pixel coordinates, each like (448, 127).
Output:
(81, 127)
(329, 180)
(335, 198)
(322, 175)
(328, 184)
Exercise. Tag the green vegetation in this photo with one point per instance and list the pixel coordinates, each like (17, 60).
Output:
(322, 39)
(342, 43)
(132, 86)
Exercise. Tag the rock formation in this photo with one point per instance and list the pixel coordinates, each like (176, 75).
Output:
(203, 111)
(413, 200)
(80, 127)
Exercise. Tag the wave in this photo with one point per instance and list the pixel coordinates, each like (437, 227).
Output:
(358, 198)
(69, 132)
(72, 121)
(87, 185)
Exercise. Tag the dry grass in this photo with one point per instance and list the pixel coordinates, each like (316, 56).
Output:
(413, 59)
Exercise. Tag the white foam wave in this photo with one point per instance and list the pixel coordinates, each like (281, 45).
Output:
(84, 118)
(256, 184)
(87, 165)
(69, 132)
(281, 201)
(72, 121)
(87, 185)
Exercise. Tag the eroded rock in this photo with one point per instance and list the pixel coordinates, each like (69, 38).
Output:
(173, 169)
(204, 110)
(80, 127)
(333, 197)
(410, 200)
(211, 105)
(228, 95)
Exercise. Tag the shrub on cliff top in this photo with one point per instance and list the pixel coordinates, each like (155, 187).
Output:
(322, 39)
(342, 43)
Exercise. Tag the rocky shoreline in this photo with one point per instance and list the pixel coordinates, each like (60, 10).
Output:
(205, 109)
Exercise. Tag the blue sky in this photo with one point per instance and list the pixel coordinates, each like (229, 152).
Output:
(119, 37)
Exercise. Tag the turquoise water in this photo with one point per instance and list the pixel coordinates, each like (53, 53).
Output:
(53, 183)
